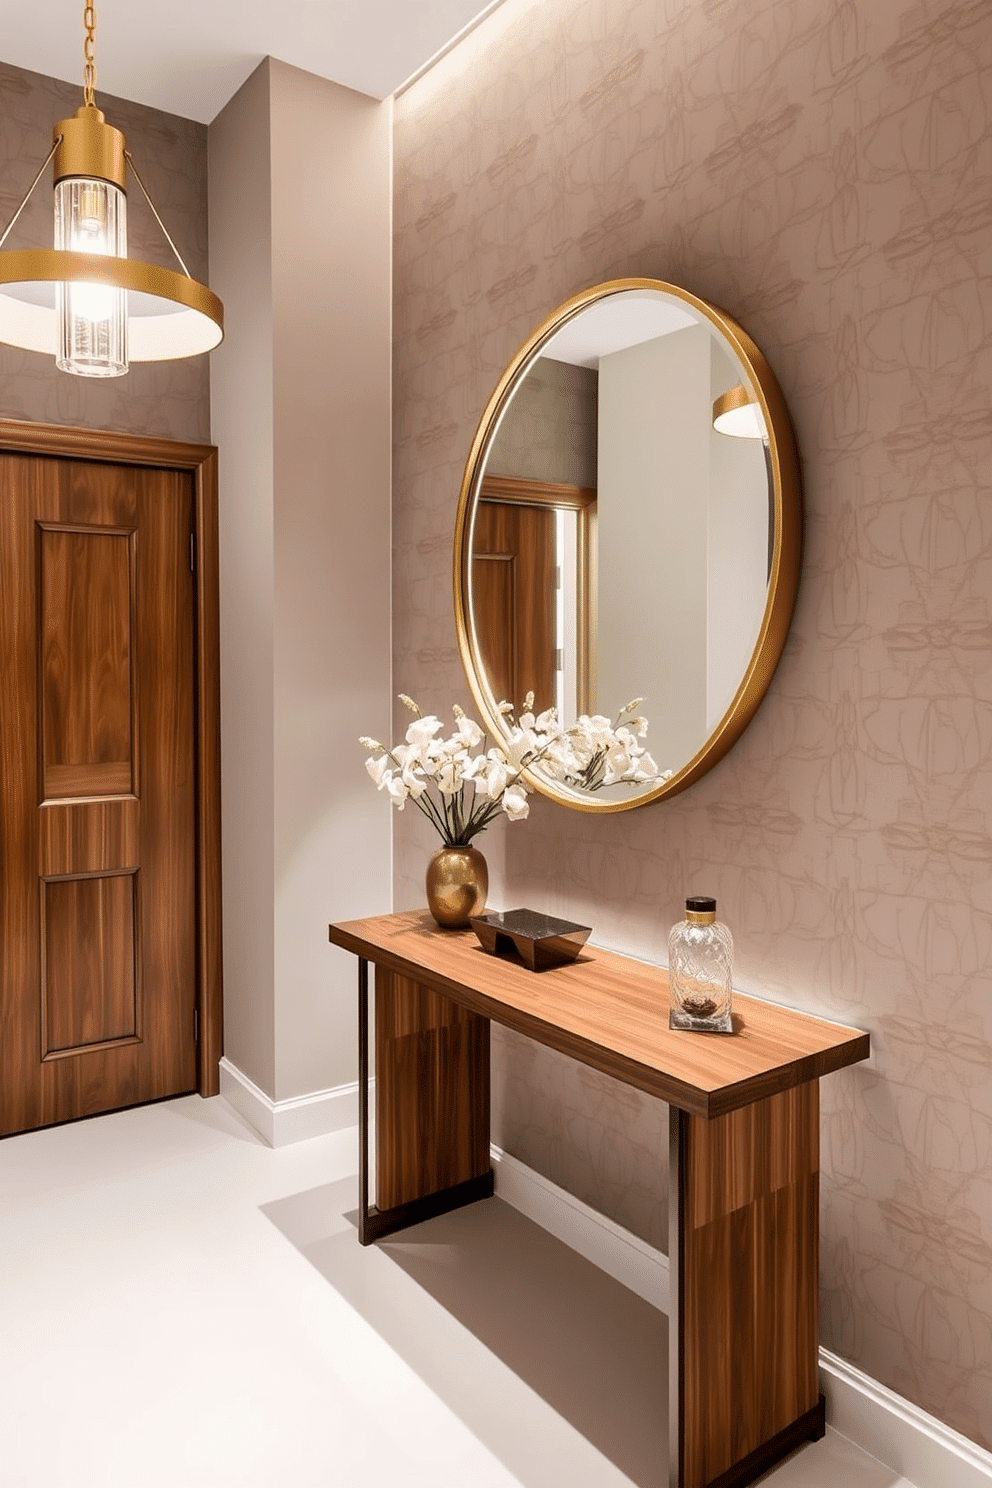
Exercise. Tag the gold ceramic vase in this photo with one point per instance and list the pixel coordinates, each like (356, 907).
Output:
(457, 885)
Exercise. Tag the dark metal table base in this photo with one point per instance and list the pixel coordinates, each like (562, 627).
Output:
(374, 1223)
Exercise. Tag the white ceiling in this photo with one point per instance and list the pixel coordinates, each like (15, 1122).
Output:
(190, 56)
(616, 324)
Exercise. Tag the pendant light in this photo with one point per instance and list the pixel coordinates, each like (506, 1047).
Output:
(84, 301)
(739, 413)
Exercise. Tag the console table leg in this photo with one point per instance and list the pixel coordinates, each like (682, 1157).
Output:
(363, 1102)
(432, 1105)
(744, 1237)
(676, 1120)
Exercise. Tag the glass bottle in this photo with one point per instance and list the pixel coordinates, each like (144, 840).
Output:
(700, 970)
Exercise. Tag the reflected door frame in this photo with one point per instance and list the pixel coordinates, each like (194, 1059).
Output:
(200, 461)
(559, 496)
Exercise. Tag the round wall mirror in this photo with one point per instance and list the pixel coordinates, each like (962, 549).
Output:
(630, 527)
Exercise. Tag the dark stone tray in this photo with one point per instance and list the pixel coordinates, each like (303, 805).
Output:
(540, 940)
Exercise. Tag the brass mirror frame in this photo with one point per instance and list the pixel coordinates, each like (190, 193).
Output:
(783, 582)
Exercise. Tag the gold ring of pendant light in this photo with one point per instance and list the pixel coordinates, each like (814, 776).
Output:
(786, 556)
(49, 265)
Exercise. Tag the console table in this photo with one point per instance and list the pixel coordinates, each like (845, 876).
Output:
(743, 1154)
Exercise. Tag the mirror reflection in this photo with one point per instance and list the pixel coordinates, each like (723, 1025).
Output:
(619, 538)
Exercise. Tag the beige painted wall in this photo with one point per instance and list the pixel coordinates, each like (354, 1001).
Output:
(241, 385)
(300, 212)
(168, 399)
(331, 225)
(821, 172)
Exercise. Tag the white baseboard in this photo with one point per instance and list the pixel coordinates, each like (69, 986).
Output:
(281, 1122)
(900, 1435)
(613, 1249)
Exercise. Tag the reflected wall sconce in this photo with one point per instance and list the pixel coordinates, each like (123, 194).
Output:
(84, 301)
(739, 414)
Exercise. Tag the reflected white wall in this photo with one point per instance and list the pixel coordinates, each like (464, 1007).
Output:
(654, 474)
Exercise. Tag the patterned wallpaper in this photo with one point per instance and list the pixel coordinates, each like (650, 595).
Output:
(820, 169)
(168, 399)
(548, 433)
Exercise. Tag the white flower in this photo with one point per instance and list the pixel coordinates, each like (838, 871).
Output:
(515, 802)
(449, 778)
(596, 731)
(496, 775)
(618, 764)
(646, 769)
(469, 732)
(415, 784)
(379, 770)
(521, 745)
(397, 791)
(422, 731)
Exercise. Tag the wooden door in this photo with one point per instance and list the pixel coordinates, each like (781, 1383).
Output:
(513, 581)
(98, 813)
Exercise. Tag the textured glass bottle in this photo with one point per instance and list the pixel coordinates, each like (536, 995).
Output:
(700, 970)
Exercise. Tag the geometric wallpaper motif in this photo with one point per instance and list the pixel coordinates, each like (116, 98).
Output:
(820, 169)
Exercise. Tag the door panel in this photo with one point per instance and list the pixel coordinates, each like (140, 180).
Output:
(97, 833)
(90, 960)
(513, 569)
(84, 660)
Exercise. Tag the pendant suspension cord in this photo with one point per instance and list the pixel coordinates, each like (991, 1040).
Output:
(27, 194)
(89, 56)
(165, 230)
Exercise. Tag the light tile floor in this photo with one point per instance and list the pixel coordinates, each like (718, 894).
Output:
(182, 1306)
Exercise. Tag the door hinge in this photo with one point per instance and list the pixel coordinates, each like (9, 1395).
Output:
(559, 661)
(557, 575)
(192, 552)
(196, 1025)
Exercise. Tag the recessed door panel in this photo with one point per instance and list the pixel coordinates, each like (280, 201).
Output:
(89, 962)
(85, 661)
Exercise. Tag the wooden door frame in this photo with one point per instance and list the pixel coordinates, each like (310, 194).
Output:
(200, 460)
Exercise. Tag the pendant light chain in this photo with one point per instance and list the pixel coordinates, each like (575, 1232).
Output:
(89, 55)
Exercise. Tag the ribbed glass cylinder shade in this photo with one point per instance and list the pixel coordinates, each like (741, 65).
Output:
(91, 217)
